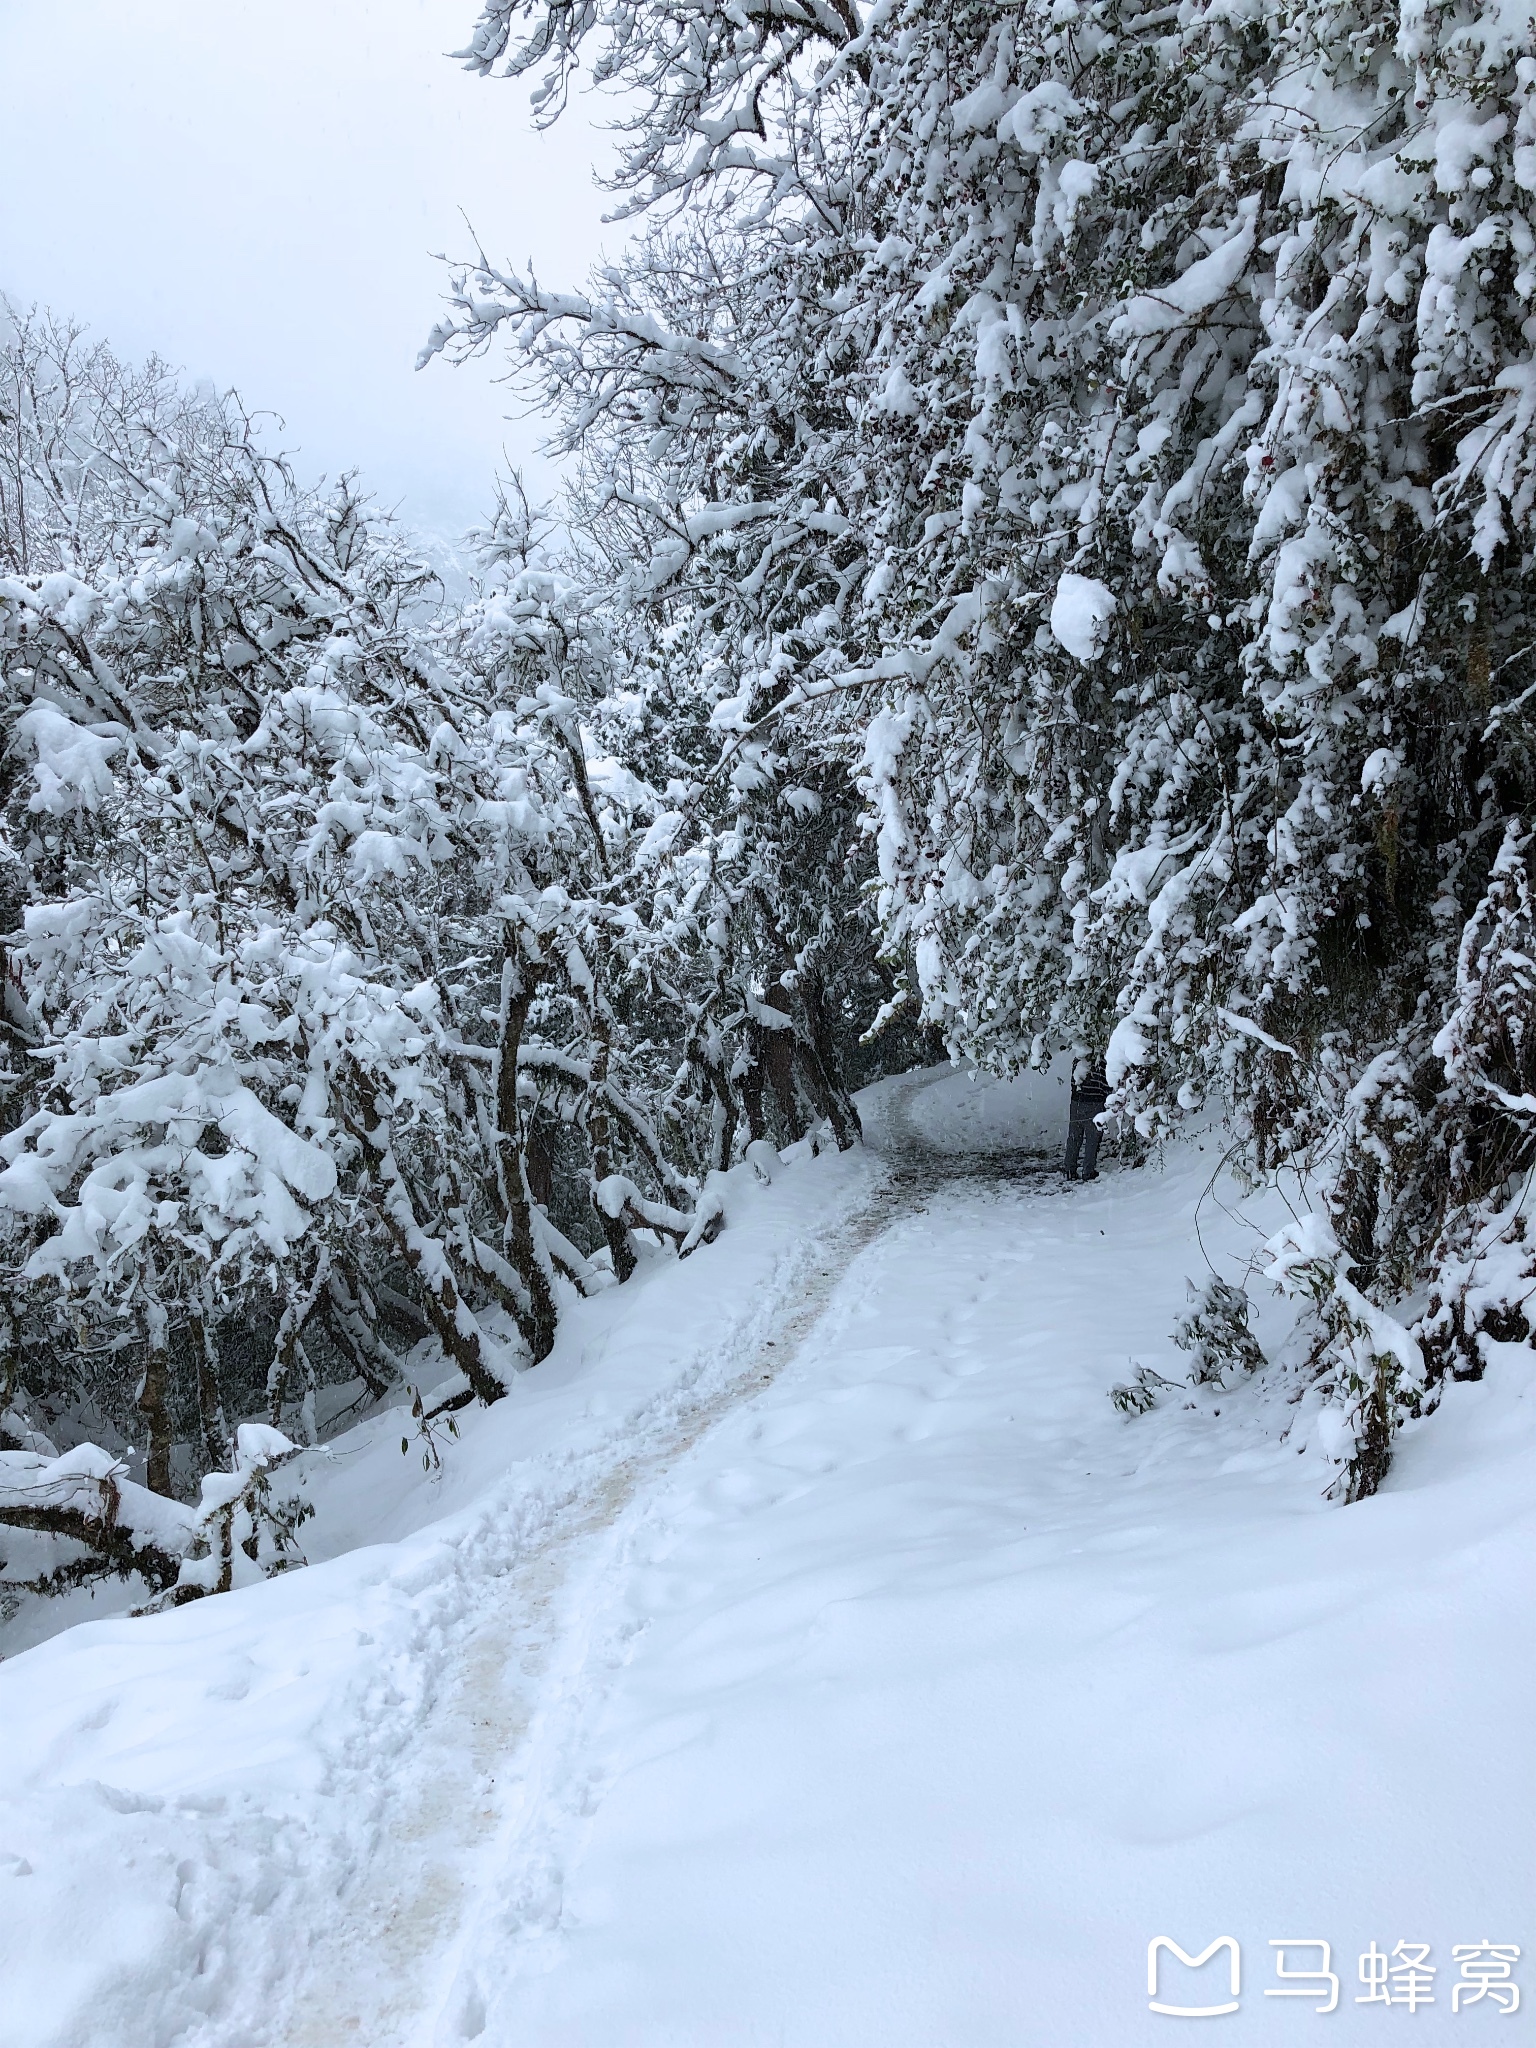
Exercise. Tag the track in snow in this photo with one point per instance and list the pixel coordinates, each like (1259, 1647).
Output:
(476, 1830)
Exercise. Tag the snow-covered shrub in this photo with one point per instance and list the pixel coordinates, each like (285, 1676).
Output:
(1138, 1395)
(1366, 1362)
(1215, 1333)
(240, 1531)
(1483, 1290)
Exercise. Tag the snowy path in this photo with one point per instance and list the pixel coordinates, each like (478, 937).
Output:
(906, 1683)
(809, 1655)
(502, 1770)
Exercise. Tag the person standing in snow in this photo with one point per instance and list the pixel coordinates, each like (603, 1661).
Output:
(1090, 1092)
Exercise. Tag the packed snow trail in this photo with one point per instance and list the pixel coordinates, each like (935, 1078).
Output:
(814, 1657)
(500, 1771)
(905, 1683)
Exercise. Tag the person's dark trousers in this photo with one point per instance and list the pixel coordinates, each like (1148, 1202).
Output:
(1083, 1136)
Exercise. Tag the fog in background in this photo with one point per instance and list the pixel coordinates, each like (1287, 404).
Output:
(255, 192)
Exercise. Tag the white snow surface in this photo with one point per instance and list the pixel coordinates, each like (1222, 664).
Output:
(808, 1653)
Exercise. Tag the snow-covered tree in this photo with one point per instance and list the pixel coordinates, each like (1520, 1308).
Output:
(317, 889)
(1104, 431)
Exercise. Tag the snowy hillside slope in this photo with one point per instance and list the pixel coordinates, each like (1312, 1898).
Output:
(809, 1653)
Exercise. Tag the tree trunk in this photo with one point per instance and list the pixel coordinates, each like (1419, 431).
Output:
(820, 1065)
(774, 1045)
(210, 1398)
(1373, 1454)
(350, 1326)
(600, 1138)
(521, 1243)
(154, 1392)
(10, 1363)
(288, 1352)
(452, 1322)
(752, 1092)
(450, 1319)
(539, 1161)
(704, 1050)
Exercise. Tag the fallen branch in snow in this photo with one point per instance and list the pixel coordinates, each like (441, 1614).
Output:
(86, 1496)
(622, 1201)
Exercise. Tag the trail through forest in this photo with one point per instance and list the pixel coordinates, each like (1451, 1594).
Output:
(1039, 572)
(875, 1696)
(809, 1652)
(501, 1774)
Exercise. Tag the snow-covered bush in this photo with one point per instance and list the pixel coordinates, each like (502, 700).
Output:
(1369, 1366)
(1216, 1335)
(1138, 1395)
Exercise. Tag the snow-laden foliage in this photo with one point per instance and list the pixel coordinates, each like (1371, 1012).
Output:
(1216, 1334)
(1105, 429)
(347, 956)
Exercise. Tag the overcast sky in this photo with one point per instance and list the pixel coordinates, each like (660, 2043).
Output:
(254, 188)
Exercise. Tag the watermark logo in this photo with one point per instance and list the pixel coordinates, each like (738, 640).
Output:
(1193, 2012)
(1402, 1976)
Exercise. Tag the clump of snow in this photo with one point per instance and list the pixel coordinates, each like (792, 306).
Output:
(1203, 285)
(1380, 770)
(1131, 1045)
(72, 767)
(1080, 614)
